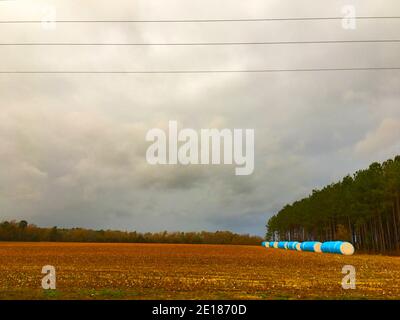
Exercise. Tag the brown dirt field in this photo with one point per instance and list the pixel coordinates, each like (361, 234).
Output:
(170, 271)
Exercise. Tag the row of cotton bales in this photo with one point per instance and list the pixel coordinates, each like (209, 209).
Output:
(339, 247)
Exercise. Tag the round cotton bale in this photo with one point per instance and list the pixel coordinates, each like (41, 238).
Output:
(266, 244)
(339, 247)
(330, 247)
(317, 247)
(276, 245)
(347, 249)
(271, 244)
(263, 243)
(298, 246)
(281, 244)
(293, 245)
(311, 246)
(289, 245)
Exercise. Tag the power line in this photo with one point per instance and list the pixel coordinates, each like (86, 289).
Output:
(200, 20)
(204, 71)
(202, 43)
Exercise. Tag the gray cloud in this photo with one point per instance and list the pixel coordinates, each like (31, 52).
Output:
(73, 147)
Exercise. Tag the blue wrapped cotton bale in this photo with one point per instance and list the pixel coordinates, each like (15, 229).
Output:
(288, 245)
(264, 243)
(339, 247)
(312, 246)
(282, 244)
(291, 245)
(330, 247)
(271, 244)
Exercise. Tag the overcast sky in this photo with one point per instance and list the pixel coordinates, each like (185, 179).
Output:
(72, 147)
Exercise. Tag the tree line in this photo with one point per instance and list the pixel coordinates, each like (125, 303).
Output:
(22, 231)
(363, 208)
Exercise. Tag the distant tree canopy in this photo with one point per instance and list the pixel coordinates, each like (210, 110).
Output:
(22, 231)
(363, 208)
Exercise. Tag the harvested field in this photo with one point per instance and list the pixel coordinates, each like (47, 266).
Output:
(171, 271)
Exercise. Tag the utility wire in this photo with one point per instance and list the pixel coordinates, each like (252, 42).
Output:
(203, 71)
(200, 43)
(200, 20)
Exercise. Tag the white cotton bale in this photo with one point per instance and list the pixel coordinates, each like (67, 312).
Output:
(317, 247)
(346, 248)
(286, 245)
(263, 243)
